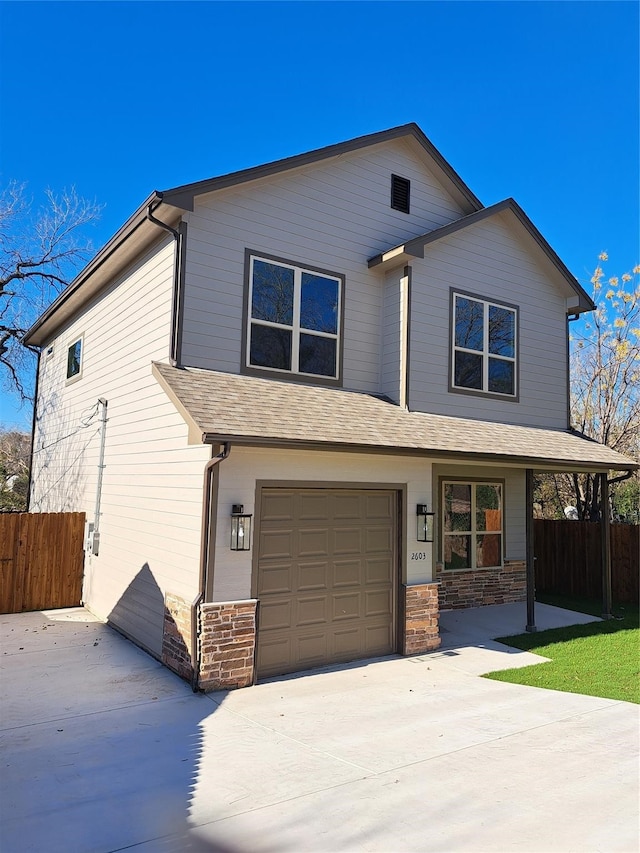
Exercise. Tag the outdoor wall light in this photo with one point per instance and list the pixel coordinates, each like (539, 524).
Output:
(240, 529)
(425, 523)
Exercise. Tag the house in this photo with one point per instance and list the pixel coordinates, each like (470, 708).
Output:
(301, 406)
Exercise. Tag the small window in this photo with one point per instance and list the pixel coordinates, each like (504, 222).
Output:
(472, 525)
(484, 346)
(400, 190)
(294, 319)
(74, 359)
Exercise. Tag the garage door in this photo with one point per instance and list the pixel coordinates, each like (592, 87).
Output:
(326, 577)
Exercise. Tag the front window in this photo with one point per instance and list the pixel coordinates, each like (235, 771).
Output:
(484, 346)
(294, 319)
(472, 525)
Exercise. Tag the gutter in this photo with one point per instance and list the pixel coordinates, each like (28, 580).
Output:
(33, 429)
(179, 235)
(204, 560)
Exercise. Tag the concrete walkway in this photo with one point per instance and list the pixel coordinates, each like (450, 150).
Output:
(105, 750)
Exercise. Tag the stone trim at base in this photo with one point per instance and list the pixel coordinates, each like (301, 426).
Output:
(227, 644)
(468, 588)
(420, 616)
(176, 636)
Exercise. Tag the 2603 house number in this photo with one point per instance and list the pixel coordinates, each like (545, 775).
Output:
(418, 555)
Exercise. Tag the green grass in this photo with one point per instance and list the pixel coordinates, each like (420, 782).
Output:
(597, 659)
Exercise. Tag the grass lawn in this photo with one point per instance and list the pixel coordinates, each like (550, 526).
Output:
(598, 659)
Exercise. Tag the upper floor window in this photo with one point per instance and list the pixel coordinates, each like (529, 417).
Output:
(472, 525)
(74, 359)
(484, 345)
(294, 319)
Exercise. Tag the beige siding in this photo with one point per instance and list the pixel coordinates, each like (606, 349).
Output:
(488, 261)
(334, 215)
(152, 485)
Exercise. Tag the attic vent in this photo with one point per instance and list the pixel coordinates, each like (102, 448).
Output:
(400, 193)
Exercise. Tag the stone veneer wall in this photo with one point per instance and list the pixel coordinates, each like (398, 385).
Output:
(460, 588)
(420, 613)
(227, 644)
(176, 636)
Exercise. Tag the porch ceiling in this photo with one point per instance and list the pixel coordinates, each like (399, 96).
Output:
(247, 410)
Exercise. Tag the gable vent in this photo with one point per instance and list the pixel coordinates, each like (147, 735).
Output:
(400, 193)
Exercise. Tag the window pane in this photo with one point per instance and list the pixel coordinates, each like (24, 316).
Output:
(272, 295)
(488, 507)
(488, 550)
(457, 506)
(468, 370)
(317, 355)
(73, 359)
(501, 331)
(270, 347)
(469, 323)
(319, 303)
(501, 376)
(457, 552)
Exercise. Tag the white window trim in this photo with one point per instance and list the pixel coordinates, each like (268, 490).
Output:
(485, 353)
(473, 532)
(295, 328)
(78, 375)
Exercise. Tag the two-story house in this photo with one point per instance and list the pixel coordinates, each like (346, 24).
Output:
(301, 405)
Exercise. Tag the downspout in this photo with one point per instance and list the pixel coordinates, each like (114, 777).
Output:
(95, 546)
(204, 561)
(33, 430)
(176, 300)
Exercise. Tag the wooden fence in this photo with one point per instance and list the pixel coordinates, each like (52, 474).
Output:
(41, 560)
(569, 559)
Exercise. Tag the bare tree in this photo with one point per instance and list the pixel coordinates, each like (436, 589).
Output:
(605, 386)
(40, 251)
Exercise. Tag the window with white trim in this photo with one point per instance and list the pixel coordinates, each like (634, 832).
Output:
(471, 525)
(294, 319)
(484, 346)
(74, 360)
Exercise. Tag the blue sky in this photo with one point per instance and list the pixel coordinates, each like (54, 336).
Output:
(535, 100)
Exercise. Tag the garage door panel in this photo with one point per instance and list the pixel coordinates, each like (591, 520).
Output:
(378, 539)
(276, 579)
(347, 506)
(313, 506)
(378, 603)
(346, 606)
(378, 570)
(311, 576)
(347, 573)
(379, 506)
(276, 615)
(326, 581)
(347, 540)
(311, 610)
(276, 544)
(313, 543)
(278, 506)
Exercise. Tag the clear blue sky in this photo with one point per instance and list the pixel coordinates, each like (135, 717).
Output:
(535, 100)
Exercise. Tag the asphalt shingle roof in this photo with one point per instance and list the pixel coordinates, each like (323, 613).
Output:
(251, 410)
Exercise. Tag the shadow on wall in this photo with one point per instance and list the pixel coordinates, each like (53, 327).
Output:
(114, 745)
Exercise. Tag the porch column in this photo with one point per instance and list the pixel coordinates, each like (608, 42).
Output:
(530, 554)
(605, 533)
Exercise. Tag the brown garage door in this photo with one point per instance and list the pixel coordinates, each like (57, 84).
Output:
(326, 577)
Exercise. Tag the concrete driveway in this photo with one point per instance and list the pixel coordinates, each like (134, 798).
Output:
(105, 750)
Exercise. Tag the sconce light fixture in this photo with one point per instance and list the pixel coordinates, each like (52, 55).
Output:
(240, 529)
(425, 523)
